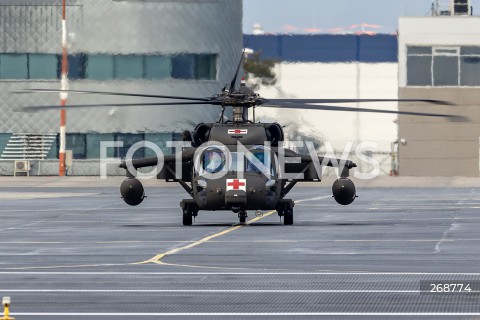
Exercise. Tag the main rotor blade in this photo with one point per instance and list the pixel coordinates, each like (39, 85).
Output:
(110, 105)
(234, 80)
(439, 102)
(349, 109)
(23, 91)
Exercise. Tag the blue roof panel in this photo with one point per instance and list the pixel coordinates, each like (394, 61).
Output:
(326, 48)
(269, 45)
(319, 48)
(379, 48)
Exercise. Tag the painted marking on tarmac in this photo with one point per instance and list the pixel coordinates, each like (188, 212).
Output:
(241, 273)
(454, 226)
(72, 266)
(312, 199)
(233, 241)
(84, 212)
(41, 195)
(208, 291)
(72, 209)
(246, 314)
(158, 258)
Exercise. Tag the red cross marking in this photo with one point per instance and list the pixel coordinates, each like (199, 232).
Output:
(236, 184)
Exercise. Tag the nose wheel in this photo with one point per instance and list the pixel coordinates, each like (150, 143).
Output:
(242, 217)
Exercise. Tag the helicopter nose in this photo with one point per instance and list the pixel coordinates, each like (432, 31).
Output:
(236, 199)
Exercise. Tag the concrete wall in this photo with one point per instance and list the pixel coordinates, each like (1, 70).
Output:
(437, 147)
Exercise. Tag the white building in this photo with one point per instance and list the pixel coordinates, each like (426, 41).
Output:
(334, 66)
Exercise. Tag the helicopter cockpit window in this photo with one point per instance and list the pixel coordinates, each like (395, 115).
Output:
(213, 161)
(260, 161)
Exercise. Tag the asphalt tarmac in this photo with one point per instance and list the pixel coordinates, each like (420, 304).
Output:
(81, 253)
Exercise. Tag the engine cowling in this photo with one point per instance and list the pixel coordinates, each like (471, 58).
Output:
(274, 133)
(201, 133)
(132, 191)
(344, 191)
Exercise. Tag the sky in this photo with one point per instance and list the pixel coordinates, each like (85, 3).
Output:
(334, 16)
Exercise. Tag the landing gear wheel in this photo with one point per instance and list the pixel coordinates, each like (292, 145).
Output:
(288, 217)
(190, 211)
(242, 217)
(285, 209)
(187, 217)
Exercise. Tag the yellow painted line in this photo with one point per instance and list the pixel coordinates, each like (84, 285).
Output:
(158, 258)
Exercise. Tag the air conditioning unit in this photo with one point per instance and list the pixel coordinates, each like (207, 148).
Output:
(461, 7)
(21, 166)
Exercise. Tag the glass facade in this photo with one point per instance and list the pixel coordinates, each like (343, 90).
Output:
(14, 66)
(93, 144)
(158, 67)
(77, 142)
(443, 66)
(4, 138)
(87, 145)
(103, 67)
(128, 67)
(76, 66)
(99, 67)
(42, 66)
(129, 139)
(419, 69)
(205, 67)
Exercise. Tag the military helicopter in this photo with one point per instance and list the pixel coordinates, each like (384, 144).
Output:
(240, 164)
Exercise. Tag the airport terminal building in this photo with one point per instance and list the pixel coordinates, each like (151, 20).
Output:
(188, 48)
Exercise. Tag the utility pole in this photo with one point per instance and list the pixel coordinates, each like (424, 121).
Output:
(63, 95)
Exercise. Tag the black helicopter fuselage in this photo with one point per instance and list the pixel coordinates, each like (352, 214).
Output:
(251, 192)
(237, 184)
(238, 167)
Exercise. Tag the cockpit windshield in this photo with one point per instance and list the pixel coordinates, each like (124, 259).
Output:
(259, 160)
(213, 161)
